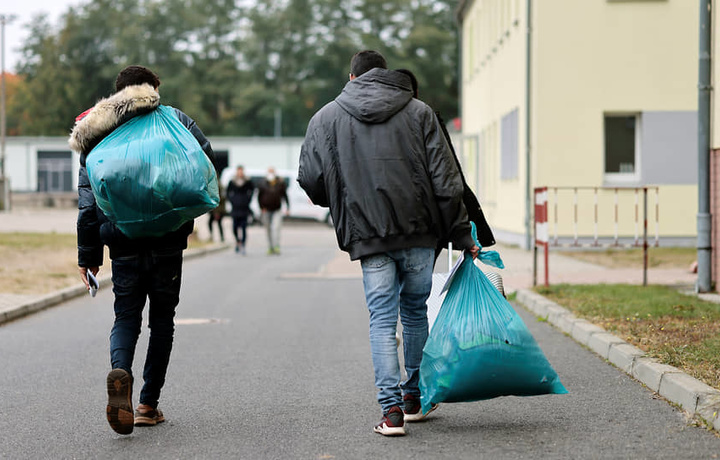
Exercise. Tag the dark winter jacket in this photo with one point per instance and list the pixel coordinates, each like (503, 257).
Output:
(93, 228)
(379, 160)
(239, 194)
(272, 194)
(219, 212)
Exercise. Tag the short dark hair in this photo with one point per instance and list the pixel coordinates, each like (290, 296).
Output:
(413, 81)
(136, 75)
(363, 61)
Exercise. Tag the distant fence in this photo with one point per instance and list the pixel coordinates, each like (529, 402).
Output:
(546, 198)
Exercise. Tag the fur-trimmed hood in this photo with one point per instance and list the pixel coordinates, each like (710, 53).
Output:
(109, 113)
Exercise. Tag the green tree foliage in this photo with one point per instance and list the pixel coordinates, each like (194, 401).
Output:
(239, 67)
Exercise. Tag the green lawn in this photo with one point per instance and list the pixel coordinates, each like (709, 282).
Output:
(680, 330)
(38, 263)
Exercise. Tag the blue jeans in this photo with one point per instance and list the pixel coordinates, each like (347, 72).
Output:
(156, 276)
(397, 282)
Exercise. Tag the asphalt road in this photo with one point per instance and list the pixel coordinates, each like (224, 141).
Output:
(271, 366)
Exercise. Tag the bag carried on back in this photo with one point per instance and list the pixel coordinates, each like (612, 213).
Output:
(150, 175)
(479, 347)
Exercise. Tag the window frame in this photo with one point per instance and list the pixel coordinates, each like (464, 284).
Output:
(620, 178)
(54, 171)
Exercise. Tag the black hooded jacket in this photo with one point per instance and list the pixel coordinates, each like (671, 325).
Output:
(379, 160)
(94, 229)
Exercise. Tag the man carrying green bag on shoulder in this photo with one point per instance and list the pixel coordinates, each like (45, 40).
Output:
(145, 264)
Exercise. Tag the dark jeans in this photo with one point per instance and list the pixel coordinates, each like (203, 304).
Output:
(216, 218)
(240, 223)
(153, 275)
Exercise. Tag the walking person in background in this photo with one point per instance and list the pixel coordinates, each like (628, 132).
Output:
(217, 214)
(239, 193)
(378, 159)
(271, 193)
(142, 269)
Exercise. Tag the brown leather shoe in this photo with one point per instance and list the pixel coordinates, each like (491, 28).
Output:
(119, 406)
(147, 416)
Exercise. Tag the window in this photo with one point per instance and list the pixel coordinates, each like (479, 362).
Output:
(54, 171)
(621, 147)
(509, 146)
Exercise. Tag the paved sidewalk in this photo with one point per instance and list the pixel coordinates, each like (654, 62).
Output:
(516, 275)
(518, 271)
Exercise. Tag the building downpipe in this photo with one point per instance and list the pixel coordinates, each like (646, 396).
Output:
(704, 223)
(528, 115)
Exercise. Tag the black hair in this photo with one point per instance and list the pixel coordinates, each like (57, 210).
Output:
(363, 61)
(136, 75)
(413, 81)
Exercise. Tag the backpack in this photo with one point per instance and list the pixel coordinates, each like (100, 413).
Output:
(150, 175)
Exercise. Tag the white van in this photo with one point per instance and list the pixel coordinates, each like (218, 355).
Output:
(300, 205)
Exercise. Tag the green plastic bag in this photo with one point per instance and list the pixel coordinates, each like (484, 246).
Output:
(479, 348)
(150, 175)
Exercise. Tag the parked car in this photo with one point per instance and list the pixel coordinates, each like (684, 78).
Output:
(300, 205)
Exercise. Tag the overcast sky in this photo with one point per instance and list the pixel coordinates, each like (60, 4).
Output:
(15, 33)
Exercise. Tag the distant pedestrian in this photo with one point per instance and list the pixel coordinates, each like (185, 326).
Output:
(272, 191)
(142, 269)
(379, 160)
(216, 216)
(475, 212)
(239, 193)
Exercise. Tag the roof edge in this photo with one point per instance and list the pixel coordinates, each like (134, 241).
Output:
(462, 6)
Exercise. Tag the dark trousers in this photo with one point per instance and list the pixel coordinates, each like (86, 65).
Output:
(240, 223)
(156, 276)
(216, 218)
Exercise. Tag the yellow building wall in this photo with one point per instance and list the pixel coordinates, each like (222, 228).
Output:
(587, 212)
(588, 59)
(493, 85)
(592, 58)
(597, 57)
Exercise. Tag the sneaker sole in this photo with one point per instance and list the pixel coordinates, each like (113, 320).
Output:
(119, 407)
(419, 416)
(390, 431)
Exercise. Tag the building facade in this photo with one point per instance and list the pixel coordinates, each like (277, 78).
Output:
(596, 95)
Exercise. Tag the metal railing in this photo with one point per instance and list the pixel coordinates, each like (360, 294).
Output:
(542, 238)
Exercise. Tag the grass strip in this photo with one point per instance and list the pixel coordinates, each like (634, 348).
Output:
(677, 329)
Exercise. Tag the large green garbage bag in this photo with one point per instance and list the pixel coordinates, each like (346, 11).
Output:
(150, 175)
(479, 348)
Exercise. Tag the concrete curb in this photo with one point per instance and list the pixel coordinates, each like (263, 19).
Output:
(691, 394)
(63, 295)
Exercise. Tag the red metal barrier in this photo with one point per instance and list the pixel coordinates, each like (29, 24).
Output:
(541, 232)
(542, 238)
